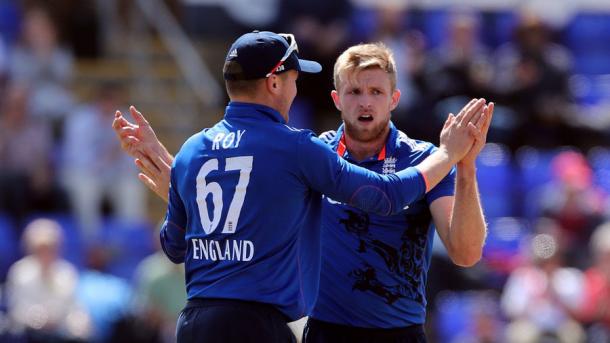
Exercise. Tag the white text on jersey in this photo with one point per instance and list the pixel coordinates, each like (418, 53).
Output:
(227, 140)
(226, 250)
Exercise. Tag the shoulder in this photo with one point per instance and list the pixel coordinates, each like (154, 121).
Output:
(406, 144)
(328, 136)
(190, 146)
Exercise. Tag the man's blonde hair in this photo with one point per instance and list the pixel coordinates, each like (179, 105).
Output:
(364, 56)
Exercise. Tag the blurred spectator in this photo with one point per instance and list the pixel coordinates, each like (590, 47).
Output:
(321, 30)
(458, 70)
(3, 65)
(161, 292)
(574, 202)
(461, 66)
(532, 79)
(541, 298)
(40, 64)
(79, 24)
(26, 178)
(408, 46)
(94, 168)
(595, 310)
(41, 288)
(105, 297)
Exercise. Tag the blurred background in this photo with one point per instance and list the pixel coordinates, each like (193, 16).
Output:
(79, 260)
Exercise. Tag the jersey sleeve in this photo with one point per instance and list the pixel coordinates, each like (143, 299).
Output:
(444, 188)
(324, 171)
(173, 230)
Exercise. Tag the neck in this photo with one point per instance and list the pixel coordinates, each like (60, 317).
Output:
(260, 100)
(361, 150)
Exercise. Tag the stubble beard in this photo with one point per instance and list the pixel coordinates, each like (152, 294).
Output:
(366, 135)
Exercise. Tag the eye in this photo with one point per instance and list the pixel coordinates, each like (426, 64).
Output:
(354, 91)
(376, 91)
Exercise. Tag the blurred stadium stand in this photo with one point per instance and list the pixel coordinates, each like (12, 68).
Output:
(139, 50)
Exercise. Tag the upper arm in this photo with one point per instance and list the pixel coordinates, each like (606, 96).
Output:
(324, 171)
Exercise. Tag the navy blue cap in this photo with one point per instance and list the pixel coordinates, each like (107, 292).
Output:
(259, 54)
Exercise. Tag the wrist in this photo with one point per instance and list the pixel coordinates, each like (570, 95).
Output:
(444, 154)
(449, 156)
(466, 170)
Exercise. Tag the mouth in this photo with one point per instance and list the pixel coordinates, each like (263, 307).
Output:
(365, 118)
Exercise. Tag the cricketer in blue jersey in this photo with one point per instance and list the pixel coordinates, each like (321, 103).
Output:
(373, 273)
(244, 201)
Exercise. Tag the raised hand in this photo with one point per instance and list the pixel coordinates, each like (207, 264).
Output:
(480, 136)
(155, 175)
(459, 132)
(138, 139)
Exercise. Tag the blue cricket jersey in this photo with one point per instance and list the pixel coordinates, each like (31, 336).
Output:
(245, 202)
(374, 268)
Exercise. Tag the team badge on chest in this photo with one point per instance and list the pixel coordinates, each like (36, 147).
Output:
(389, 165)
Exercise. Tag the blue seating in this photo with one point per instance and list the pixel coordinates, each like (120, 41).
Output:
(505, 237)
(501, 28)
(588, 37)
(586, 89)
(534, 166)
(592, 62)
(599, 159)
(130, 241)
(588, 31)
(496, 177)
(9, 245)
(10, 21)
(435, 24)
(363, 23)
(459, 313)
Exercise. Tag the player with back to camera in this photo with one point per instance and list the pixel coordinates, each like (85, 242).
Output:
(245, 196)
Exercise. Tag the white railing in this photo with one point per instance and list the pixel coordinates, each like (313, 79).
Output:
(182, 49)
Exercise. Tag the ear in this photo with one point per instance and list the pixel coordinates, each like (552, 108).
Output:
(395, 99)
(273, 84)
(335, 95)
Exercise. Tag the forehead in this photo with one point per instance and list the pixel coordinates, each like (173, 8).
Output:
(370, 77)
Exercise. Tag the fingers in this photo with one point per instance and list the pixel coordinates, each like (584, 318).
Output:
(163, 164)
(153, 186)
(137, 116)
(474, 131)
(120, 122)
(472, 110)
(467, 106)
(129, 142)
(448, 121)
(147, 166)
(488, 115)
(125, 132)
(481, 120)
(148, 182)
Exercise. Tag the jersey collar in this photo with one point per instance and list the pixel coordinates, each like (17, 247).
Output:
(388, 148)
(237, 109)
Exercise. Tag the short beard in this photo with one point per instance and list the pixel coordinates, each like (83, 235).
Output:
(366, 136)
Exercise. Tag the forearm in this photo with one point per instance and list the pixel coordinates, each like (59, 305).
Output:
(467, 226)
(172, 242)
(435, 167)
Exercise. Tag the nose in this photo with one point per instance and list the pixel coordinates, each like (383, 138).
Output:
(365, 101)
